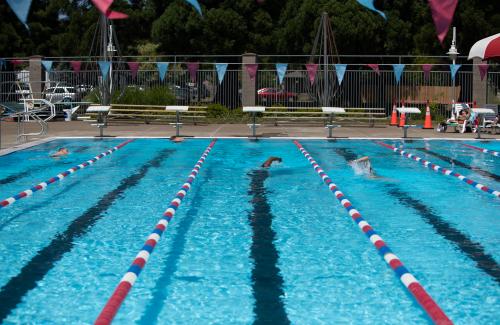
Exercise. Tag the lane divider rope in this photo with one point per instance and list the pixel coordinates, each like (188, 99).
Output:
(491, 152)
(58, 177)
(439, 169)
(410, 282)
(114, 302)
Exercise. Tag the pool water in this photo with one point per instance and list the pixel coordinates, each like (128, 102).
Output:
(249, 245)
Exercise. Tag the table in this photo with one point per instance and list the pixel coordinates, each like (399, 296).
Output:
(481, 111)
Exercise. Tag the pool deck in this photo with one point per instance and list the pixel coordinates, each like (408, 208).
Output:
(82, 129)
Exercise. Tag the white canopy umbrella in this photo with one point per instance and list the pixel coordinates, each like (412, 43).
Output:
(486, 48)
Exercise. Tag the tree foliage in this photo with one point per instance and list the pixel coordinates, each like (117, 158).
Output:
(67, 28)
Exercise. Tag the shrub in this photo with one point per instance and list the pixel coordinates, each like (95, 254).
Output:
(217, 111)
(137, 96)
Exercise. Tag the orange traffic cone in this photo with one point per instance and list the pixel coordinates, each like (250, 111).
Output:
(428, 119)
(402, 120)
(394, 117)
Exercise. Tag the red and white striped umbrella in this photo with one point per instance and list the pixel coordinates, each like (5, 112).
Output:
(487, 48)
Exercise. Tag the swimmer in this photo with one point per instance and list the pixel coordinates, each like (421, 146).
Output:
(176, 139)
(362, 166)
(270, 161)
(60, 152)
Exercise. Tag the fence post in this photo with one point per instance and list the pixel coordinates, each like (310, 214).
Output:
(478, 87)
(36, 76)
(249, 87)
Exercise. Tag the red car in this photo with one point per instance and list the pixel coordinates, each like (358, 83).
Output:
(276, 95)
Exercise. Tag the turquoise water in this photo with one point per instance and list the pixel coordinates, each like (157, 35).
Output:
(65, 249)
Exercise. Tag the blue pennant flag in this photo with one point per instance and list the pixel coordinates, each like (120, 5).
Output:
(221, 71)
(340, 70)
(398, 71)
(453, 69)
(3, 64)
(21, 8)
(196, 5)
(369, 4)
(281, 70)
(162, 69)
(47, 65)
(104, 66)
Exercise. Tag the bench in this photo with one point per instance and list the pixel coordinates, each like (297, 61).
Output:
(151, 113)
(284, 115)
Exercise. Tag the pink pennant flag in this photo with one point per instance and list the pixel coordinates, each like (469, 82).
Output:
(134, 67)
(483, 70)
(312, 68)
(76, 65)
(442, 14)
(104, 6)
(193, 69)
(427, 70)
(374, 67)
(252, 70)
(15, 62)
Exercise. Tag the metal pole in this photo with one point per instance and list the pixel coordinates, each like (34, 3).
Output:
(253, 126)
(325, 59)
(330, 126)
(177, 124)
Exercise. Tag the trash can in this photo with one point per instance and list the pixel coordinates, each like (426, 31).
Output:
(67, 114)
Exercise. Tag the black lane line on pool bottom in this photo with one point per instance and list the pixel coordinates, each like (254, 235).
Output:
(35, 270)
(461, 164)
(267, 283)
(475, 251)
(160, 291)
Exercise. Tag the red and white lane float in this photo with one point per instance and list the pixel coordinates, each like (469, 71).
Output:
(491, 152)
(58, 177)
(414, 287)
(439, 169)
(111, 308)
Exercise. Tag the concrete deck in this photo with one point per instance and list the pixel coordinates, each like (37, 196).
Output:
(83, 129)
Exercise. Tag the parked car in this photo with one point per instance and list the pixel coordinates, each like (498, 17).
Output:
(275, 94)
(60, 94)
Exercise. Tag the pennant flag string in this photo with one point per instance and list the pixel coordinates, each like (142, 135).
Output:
(398, 71)
(221, 71)
(427, 70)
(340, 70)
(104, 6)
(162, 69)
(196, 5)
(134, 67)
(47, 65)
(369, 4)
(21, 8)
(311, 68)
(193, 69)
(483, 70)
(252, 70)
(76, 65)
(453, 69)
(104, 66)
(442, 14)
(281, 70)
(374, 67)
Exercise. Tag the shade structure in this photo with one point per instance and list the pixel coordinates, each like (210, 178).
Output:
(487, 48)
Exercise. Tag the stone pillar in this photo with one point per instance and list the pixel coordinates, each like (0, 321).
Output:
(36, 75)
(248, 86)
(478, 87)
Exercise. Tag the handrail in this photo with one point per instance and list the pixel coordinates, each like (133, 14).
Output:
(43, 104)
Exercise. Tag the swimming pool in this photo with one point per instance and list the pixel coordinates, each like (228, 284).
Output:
(249, 244)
